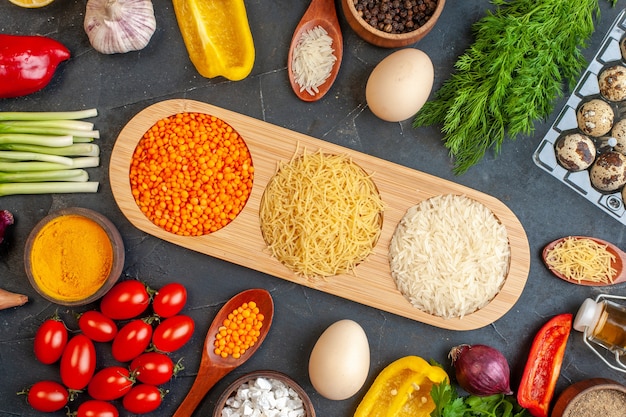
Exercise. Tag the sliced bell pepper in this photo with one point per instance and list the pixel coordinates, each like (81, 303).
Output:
(543, 366)
(402, 389)
(27, 63)
(217, 36)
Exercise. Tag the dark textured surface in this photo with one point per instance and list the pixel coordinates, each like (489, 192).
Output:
(121, 85)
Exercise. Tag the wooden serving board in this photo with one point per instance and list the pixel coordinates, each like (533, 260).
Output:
(241, 241)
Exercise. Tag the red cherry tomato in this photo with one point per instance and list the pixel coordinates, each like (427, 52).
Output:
(110, 383)
(142, 398)
(78, 362)
(131, 341)
(50, 340)
(171, 334)
(153, 368)
(97, 408)
(169, 300)
(126, 300)
(97, 326)
(48, 396)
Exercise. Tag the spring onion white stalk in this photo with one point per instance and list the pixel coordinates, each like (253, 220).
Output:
(33, 156)
(75, 149)
(60, 124)
(48, 187)
(79, 139)
(63, 115)
(42, 140)
(79, 162)
(75, 175)
(38, 130)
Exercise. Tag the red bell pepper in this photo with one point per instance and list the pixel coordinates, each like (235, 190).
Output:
(543, 366)
(27, 63)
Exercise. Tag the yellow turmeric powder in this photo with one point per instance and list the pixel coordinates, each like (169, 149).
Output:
(71, 258)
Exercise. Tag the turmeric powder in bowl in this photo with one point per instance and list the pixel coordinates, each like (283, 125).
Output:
(74, 256)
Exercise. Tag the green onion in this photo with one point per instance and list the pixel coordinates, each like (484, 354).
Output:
(42, 140)
(76, 149)
(80, 162)
(60, 124)
(33, 156)
(75, 175)
(46, 152)
(48, 187)
(43, 130)
(63, 115)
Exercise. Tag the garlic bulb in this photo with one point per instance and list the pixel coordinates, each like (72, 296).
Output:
(119, 26)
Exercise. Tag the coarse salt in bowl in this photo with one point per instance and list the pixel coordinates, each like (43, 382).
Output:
(269, 392)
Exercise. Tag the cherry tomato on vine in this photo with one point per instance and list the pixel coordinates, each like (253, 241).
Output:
(97, 326)
(78, 362)
(50, 340)
(131, 341)
(142, 398)
(48, 396)
(97, 408)
(126, 300)
(153, 368)
(169, 300)
(172, 333)
(110, 383)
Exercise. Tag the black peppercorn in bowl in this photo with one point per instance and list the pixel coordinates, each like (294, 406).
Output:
(392, 23)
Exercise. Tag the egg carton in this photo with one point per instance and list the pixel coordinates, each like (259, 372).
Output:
(545, 157)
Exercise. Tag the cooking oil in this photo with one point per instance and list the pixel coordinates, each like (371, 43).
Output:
(604, 323)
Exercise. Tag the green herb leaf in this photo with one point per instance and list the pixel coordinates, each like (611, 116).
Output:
(449, 404)
(510, 76)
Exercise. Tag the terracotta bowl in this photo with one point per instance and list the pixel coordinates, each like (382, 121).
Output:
(117, 261)
(232, 390)
(384, 39)
(566, 403)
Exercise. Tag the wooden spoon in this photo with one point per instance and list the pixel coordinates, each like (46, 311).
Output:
(214, 367)
(319, 13)
(618, 264)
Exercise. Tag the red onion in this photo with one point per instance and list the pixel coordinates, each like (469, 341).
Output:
(481, 370)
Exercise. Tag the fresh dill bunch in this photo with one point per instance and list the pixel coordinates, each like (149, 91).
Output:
(523, 53)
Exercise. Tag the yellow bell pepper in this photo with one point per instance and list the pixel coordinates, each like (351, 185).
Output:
(402, 389)
(217, 36)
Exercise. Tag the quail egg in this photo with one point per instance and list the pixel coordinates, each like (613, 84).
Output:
(608, 172)
(575, 151)
(595, 117)
(612, 83)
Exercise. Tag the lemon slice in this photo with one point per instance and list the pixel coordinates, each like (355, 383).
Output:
(31, 4)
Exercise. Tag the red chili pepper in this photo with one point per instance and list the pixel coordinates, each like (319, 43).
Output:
(27, 63)
(544, 365)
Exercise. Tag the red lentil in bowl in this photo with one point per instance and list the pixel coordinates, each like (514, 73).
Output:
(191, 174)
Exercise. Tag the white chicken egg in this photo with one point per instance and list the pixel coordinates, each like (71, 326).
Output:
(340, 360)
(400, 85)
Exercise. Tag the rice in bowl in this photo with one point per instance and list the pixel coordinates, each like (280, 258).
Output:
(449, 255)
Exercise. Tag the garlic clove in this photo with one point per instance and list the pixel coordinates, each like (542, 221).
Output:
(119, 26)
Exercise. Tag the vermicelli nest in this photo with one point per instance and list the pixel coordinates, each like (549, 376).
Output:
(321, 215)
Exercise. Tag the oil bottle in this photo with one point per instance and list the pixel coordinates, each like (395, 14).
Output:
(603, 323)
